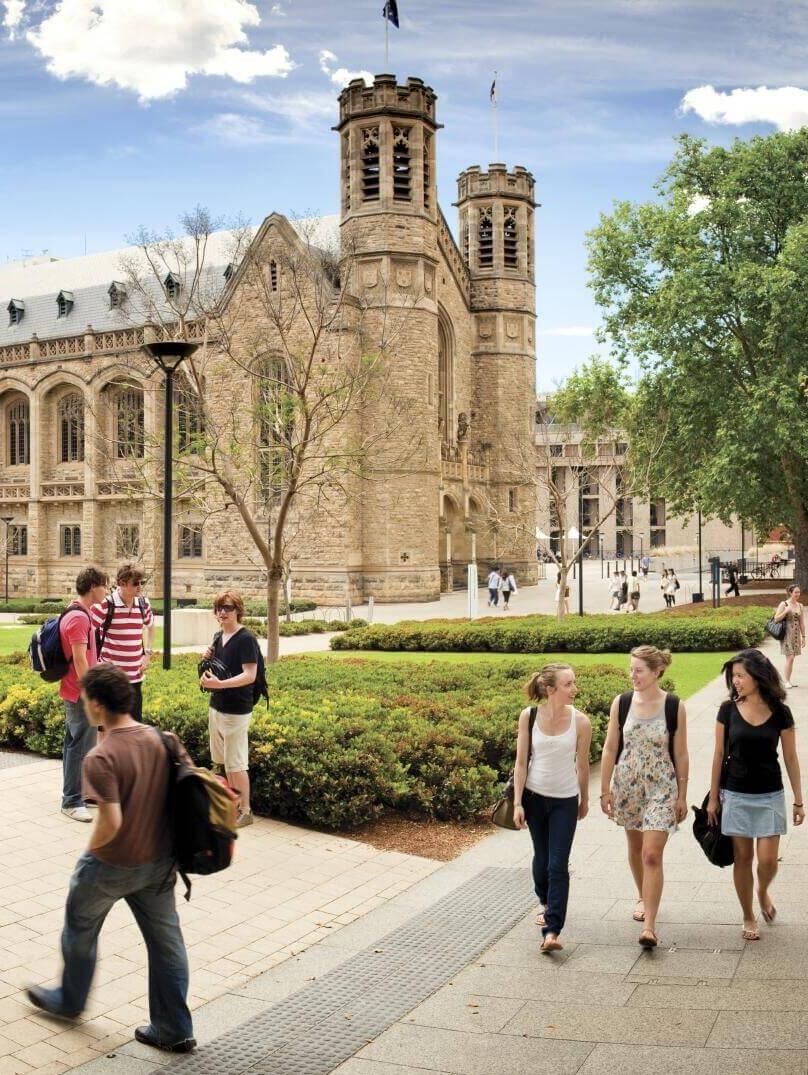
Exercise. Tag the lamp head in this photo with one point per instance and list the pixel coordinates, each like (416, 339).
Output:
(170, 354)
(7, 519)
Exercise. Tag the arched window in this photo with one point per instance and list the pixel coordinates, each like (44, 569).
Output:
(445, 385)
(275, 421)
(402, 175)
(71, 428)
(19, 433)
(510, 238)
(370, 164)
(485, 238)
(190, 416)
(129, 423)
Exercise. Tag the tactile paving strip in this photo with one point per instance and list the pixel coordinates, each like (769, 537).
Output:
(315, 1029)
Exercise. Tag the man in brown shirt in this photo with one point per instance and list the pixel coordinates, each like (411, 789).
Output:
(129, 858)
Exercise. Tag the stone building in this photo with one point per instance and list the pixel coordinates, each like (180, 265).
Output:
(79, 402)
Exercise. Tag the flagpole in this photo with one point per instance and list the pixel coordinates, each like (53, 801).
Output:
(386, 39)
(495, 119)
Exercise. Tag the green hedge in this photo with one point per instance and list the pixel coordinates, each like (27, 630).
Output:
(342, 741)
(303, 627)
(33, 604)
(715, 630)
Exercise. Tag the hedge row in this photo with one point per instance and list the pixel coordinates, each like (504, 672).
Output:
(303, 627)
(713, 631)
(342, 741)
(56, 604)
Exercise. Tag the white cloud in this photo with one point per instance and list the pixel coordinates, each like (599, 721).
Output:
(342, 75)
(785, 108)
(237, 130)
(302, 109)
(276, 9)
(151, 47)
(567, 330)
(13, 13)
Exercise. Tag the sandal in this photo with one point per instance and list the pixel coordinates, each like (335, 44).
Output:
(769, 913)
(750, 934)
(648, 939)
(638, 915)
(540, 918)
(551, 943)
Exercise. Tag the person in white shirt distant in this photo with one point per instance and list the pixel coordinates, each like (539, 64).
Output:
(494, 582)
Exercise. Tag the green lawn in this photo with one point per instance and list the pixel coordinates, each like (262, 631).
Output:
(16, 638)
(689, 671)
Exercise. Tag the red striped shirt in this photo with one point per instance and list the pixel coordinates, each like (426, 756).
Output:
(123, 642)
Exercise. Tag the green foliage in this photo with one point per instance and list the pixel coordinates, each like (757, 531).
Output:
(295, 628)
(342, 741)
(713, 630)
(33, 604)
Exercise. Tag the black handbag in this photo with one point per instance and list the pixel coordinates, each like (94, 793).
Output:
(715, 845)
(502, 814)
(775, 628)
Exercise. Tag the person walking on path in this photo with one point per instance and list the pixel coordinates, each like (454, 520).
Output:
(78, 639)
(551, 788)
(624, 605)
(646, 753)
(663, 585)
(732, 579)
(671, 588)
(129, 858)
(614, 594)
(793, 641)
(125, 622)
(493, 583)
(508, 588)
(747, 785)
(645, 563)
(231, 698)
(634, 592)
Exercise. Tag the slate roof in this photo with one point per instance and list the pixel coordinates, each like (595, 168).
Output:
(37, 284)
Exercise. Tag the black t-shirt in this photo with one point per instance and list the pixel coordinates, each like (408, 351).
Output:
(752, 766)
(240, 650)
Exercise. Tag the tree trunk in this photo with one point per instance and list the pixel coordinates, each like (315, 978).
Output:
(801, 548)
(274, 579)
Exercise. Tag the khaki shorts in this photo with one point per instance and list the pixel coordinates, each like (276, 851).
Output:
(228, 739)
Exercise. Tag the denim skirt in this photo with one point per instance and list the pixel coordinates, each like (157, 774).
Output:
(753, 815)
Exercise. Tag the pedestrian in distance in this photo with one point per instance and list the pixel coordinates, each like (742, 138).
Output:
(671, 588)
(231, 697)
(624, 603)
(644, 771)
(128, 858)
(125, 623)
(793, 640)
(493, 583)
(508, 588)
(645, 563)
(634, 592)
(614, 593)
(79, 646)
(663, 585)
(732, 579)
(747, 784)
(551, 788)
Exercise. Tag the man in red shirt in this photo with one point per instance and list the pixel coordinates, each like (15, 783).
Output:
(128, 641)
(78, 645)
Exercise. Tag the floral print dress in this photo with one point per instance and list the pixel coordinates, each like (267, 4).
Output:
(644, 777)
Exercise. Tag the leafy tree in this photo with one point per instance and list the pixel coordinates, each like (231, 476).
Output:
(705, 288)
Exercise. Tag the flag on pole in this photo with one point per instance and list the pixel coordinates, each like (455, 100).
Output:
(390, 12)
(493, 94)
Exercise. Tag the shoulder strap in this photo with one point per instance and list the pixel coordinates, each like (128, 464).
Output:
(671, 720)
(217, 637)
(108, 618)
(534, 712)
(141, 604)
(623, 707)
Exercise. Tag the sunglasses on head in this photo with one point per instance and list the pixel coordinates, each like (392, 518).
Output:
(226, 608)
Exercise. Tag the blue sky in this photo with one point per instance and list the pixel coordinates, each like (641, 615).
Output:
(117, 113)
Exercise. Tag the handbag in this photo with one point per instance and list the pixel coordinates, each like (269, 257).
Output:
(775, 628)
(502, 814)
(715, 845)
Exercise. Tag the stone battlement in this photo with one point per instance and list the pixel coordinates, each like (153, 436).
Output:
(496, 182)
(385, 96)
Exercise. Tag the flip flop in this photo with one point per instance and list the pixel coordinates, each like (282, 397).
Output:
(769, 913)
(540, 918)
(548, 945)
(638, 915)
(648, 939)
(750, 934)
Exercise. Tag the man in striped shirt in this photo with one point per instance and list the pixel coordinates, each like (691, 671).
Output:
(126, 623)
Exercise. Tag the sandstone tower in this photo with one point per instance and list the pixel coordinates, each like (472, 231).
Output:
(496, 211)
(389, 217)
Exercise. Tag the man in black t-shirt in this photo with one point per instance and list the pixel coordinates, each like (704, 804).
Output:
(231, 699)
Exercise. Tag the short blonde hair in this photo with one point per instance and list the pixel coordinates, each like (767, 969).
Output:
(539, 683)
(230, 597)
(657, 660)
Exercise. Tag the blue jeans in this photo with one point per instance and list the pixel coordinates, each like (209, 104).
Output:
(493, 597)
(552, 825)
(80, 738)
(94, 888)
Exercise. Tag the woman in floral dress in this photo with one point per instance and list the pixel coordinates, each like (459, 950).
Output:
(792, 642)
(648, 760)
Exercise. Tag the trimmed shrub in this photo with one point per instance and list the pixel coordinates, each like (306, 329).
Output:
(712, 631)
(342, 741)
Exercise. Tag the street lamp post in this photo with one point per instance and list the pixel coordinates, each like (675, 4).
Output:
(641, 536)
(169, 356)
(601, 539)
(700, 595)
(7, 519)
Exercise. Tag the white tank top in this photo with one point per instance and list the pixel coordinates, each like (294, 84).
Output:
(552, 769)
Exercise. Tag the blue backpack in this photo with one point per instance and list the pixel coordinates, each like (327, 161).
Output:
(45, 650)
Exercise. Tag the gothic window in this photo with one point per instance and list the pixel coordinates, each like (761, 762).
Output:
(16, 311)
(402, 177)
(190, 416)
(117, 295)
(485, 242)
(71, 429)
(346, 173)
(18, 540)
(273, 275)
(19, 434)
(172, 286)
(427, 170)
(275, 429)
(127, 541)
(70, 540)
(64, 303)
(511, 237)
(129, 423)
(370, 164)
(445, 386)
(464, 238)
(190, 542)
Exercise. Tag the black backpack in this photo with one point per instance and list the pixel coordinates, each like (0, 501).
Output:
(213, 664)
(202, 812)
(671, 719)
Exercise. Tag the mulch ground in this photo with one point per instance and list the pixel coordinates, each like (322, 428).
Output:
(439, 840)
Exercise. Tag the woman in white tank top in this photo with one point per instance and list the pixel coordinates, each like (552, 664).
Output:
(551, 788)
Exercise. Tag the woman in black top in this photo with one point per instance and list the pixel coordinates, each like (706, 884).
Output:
(746, 778)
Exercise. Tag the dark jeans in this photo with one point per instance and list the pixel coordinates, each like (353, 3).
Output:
(493, 597)
(80, 737)
(137, 708)
(552, 825)
(94, 888)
